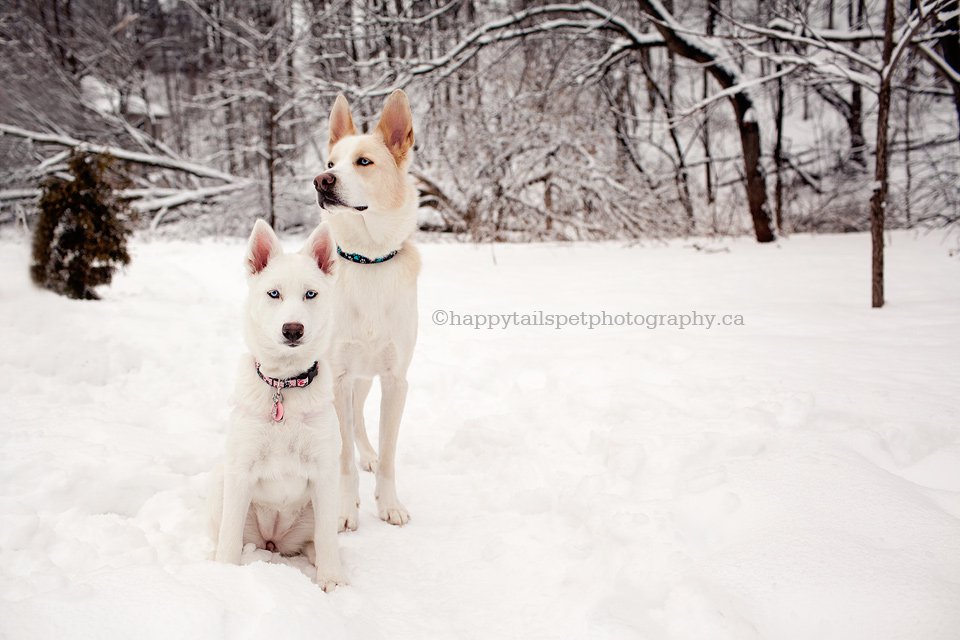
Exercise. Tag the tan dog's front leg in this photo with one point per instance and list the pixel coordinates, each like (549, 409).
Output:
(349, 477)
(236, 503)
(391, 411)
(368, 457)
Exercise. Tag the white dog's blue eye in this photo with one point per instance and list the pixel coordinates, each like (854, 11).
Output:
(310, 295)
(273, 293)
(364, 162)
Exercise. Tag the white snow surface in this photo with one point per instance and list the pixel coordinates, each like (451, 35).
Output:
(796, 477)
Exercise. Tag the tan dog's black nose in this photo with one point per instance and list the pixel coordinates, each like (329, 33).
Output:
(324, 182)
(292, 331)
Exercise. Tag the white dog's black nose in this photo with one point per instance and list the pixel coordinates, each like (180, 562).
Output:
(324, 182)
(292, 331)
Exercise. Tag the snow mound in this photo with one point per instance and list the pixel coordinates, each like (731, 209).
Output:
(795, 477)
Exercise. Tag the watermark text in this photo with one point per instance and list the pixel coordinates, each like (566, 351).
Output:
(585, 320)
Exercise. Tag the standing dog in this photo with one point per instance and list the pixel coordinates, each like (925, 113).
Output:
(280, 479)
(370, 203)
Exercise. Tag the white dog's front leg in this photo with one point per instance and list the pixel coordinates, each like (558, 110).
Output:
(236, 503)
(391, 411)
(325, 514)
(349, 477)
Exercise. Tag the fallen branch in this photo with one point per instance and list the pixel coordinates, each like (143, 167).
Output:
(143, 200)
(18, 194)
(121, 154)
(182, 197)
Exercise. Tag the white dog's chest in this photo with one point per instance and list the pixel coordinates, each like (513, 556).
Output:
(284, 462)
(281, 492)
(281, 458)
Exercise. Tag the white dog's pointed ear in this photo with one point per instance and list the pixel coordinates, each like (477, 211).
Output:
(262, 247)
(396, 125)
(341, 122)
(319, 246)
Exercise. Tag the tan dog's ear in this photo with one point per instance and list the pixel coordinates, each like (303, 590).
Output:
(396, 125)
(341, 122)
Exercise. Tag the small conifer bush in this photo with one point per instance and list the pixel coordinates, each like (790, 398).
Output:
(81, 235)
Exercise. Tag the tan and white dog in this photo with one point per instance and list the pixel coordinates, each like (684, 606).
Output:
(278, 487)
(370, 203)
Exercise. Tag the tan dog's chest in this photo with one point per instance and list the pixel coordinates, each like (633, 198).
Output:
(376, 322)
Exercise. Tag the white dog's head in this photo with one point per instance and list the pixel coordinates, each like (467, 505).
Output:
(289, 306)
(366, 193)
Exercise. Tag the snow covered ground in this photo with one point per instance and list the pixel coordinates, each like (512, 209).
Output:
(795, 477)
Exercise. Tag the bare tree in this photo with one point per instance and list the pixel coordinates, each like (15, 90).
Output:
(551, 120)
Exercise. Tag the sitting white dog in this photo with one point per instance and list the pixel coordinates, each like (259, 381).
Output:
(280, 483)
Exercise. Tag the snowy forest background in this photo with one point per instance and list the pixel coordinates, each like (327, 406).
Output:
(534, 120)
(793, 476)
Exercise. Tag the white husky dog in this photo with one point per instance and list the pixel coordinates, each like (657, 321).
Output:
(279, 488)
(370, 204)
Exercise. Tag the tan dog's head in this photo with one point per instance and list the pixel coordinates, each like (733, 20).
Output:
(366, 179)
(367, 171)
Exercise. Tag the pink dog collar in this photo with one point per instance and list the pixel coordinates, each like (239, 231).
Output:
(301, 380)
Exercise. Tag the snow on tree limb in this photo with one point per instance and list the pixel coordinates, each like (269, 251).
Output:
(144, 200)
(508, 28)
(7, 195)
(737, 88)
(150, 199)
(182, 197)
(121, 154)
(941, 64)
(831, 39)
(803, 34)
(917, 18)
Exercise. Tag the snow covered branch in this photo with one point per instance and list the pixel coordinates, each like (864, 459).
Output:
(510, 28)
(831, 40)
(143, 200)
(121, 154)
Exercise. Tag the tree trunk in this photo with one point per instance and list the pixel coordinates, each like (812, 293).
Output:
(878, 201)
(778, 156)
(778, 147)
(858, 142)
(908, 187)
(713, 10)
(746, 114)
(950, 48)
(271, 155)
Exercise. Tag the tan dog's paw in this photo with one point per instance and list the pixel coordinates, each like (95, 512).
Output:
(349, 514)
(393, 512)
(347, 522)
(369, 463)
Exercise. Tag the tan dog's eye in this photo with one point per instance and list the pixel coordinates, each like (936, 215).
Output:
(364, 162)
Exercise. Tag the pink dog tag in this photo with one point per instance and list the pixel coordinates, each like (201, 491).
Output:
(277, 411)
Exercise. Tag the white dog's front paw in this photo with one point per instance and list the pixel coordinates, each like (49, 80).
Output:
(228, 557)
(393, 512)
(329, 580)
